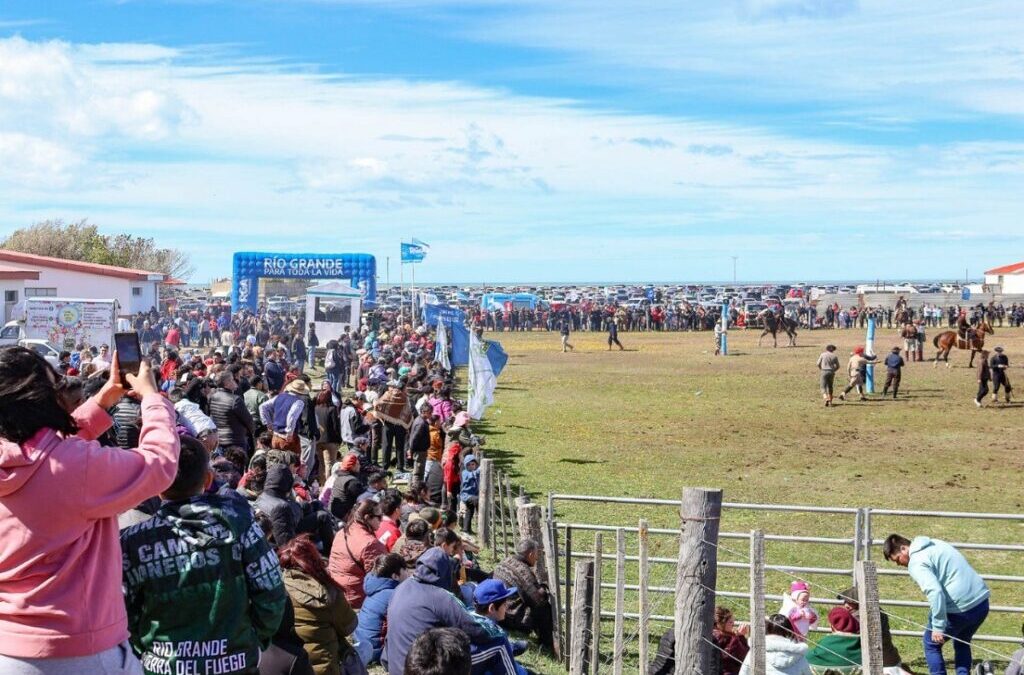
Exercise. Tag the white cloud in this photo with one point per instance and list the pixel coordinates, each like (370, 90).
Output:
(191, 148)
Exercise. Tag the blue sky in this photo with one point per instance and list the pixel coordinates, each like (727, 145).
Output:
(533, 140)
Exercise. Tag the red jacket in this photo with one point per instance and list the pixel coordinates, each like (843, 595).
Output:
(450, 467)
(353, 554)
(388, 533)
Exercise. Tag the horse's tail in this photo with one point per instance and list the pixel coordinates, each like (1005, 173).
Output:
(935, 340)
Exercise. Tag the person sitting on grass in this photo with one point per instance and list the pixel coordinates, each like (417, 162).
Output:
(838, 653)
(531, 611)
(379, 585)
(490, 600)
(731, 639)
(200, 573)
(439, 651)
(785, 654)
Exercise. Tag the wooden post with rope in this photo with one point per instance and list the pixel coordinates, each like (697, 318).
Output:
(696, 577)
(870, 615)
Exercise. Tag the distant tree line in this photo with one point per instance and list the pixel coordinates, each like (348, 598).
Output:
(83, 241)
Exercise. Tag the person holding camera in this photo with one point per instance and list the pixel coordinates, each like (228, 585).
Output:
(59, 547)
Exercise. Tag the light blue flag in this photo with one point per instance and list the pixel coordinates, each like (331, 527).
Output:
(420, 242)
(412, 253)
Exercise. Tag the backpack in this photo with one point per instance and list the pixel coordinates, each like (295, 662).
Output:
(330, 360)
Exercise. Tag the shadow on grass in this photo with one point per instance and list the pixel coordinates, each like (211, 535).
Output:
(582, 461)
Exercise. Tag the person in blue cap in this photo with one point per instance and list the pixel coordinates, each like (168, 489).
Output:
(490, 599)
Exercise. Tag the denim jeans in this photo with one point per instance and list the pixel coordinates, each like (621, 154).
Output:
(118, 660)
(961, 628)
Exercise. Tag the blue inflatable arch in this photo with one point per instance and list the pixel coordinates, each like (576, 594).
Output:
(360, 269)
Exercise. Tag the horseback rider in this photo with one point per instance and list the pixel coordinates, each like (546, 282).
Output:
(964, 329)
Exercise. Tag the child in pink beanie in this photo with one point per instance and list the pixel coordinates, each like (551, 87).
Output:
(797, 607)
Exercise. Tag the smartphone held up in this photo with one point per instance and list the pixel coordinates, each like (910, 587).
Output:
(129, 355)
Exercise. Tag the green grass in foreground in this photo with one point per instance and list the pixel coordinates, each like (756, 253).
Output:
(667, 414)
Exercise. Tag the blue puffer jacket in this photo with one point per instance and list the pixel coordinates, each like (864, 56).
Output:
(373, 612)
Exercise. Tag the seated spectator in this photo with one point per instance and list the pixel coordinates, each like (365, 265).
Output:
(389, 531)
(838, 653)
(275, 501)
(374, 485)
(891, 661)
(52, 533)
(732, 641)
(491, 602)
(346, 487)
(1016, 665)
(786, 653)
(323, 619)
(234, 599)
(417, 530)
(355, 550)
(422, 603)
(531, 611)
(379, 585)
(440, 651)
(415, 499)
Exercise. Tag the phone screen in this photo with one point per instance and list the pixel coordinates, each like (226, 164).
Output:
(129, 354)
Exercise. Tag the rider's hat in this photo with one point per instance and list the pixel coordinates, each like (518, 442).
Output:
(999, 349)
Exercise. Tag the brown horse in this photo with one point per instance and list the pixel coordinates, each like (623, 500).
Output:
(946, 340)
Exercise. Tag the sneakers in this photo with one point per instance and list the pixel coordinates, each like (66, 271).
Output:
(842, 397)
(984, 668)
(977, 402)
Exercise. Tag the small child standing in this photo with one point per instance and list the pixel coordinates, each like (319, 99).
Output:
(797, 608)
(469, 492)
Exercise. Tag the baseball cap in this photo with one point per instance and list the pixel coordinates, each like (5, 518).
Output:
(493, 590)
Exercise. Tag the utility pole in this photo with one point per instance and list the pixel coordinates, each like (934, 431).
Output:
(734, 258)
(387, 271)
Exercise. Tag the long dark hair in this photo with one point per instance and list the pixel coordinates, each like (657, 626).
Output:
(300, 553)
(28, 396)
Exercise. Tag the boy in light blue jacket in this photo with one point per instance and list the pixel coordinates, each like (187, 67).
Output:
(957, 596)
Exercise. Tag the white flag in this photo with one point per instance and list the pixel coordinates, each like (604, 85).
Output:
(441, 346)
(482, 380)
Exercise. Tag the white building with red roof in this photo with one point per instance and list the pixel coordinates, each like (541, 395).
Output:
(23, 275)
(1008, 278)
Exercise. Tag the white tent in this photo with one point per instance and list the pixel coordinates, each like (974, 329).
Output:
(335, 308)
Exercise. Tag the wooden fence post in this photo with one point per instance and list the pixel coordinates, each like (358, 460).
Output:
(645, 611)
(870, 617)
(485, 505)
(620, 600)
(595, 607)
(504, 511)
(696, 577)
(758, 615)
(582, 592)
(549, 543)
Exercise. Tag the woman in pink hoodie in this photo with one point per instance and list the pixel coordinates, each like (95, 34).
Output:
(61, 606)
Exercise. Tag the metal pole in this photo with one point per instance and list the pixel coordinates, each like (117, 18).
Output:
(595, 608)
(725, 327)
(758, 658)
(869, 350)
(620, 601)
(645, 571)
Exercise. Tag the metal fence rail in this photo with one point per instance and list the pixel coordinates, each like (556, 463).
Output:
(858, 522)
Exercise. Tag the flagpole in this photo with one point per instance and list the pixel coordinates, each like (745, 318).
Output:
(401, 291)
(413, 322)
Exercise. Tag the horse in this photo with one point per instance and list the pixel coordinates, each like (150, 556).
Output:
(773, 323)
(946, 340)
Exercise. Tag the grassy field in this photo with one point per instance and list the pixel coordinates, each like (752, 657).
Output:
(667, 414)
